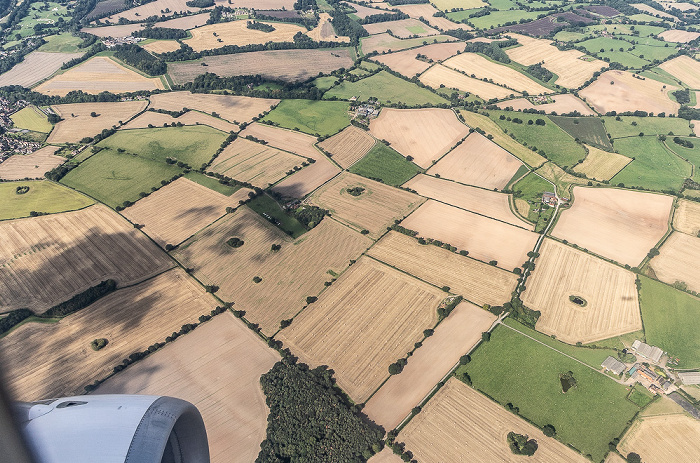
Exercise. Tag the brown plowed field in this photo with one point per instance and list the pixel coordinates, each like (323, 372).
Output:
(684, 68)
(485, 239)
(475, 281)
(180, 209)
(237, 33)
(289, 275)
(46, 260)
(217, 368)
(479, 200)
(233, 108)
(77, 122)
(367, 320)
(307, 180)
(612, 305)
(687, 217)
(252, 162)
(189, 118)
(454, 337)
(33, 165)
(679, 36)
(374, 209)
(658, 439)
(563, 104)
(348, 146)
(55, 359)
(401, 28)
(459, 424)
(405, 62)
(621, 225)
(441, 75)
(36, 66)
(678, 261)
(602, 165)
(478, 161)
(288, 140)
(424, 134)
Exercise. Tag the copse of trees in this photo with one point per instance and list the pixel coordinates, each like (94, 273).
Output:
(14, 318)
(81, 300)
(493, 50)
(521, 445)
(135, 56)
(160, 33)
(200, 3)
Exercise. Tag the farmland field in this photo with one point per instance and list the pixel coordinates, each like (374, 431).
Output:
(406, 63)
(369, 318)
(88, 246)
(654, 166)
(77, 122)
(161, 46)
(466, 4)
(679, 36)
(677, 261)
(348, 146)
(427, 12)
(237, 33)
(266, 206)
(36, 66)
(385, 43)
(587, 129)
(324, 31)
(289, 275)
(385, 456)
(156, 8)
(307, 180)
(232, 108)
(386, 165)
(121, 30)
(34, 165)
(629, 126)
(687, 217)
(611, 301)
(312, 117)
(684, 68)
(387, 89)
(602, 165)
(441, 75)
(217, 368)
(31, 118)
(402, 28)
(475, 281)
(664, 438)
(562, 104)
(61, 43)
(288, 140)
(189, 118)
(43, 196)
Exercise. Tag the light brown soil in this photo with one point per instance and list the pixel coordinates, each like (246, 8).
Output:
(36, 66)
(441, 75)
(307, 180)
(563, 104)
(189, 118)
(348, 146)
(427, 12)
(217, 368)
(324, 31)
(687, 217)
(679, 36)
(653, 11)
(232, 108)
(369, 318)
(384, 43)
(362, 11)
(288, 140)
(156, 8)
(237, 33)
(405, 62)
(664, 438)
(621, 225)
(400, 28)
(185, 23)
(77, 122)
(385, 456)
(162, 46)
(602, 165)
(33, 165)
(678, 261)
(684, 68)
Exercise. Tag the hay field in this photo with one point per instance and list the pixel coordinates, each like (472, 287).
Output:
(288, 140)
(424, 134)
(374, 209)
(562, 104)
(180, 209)
(621, 225)
(232, 108)
(629, 93)
(385, 43)
(46, 260)
(162, 46)
(97, 75)
(289, 275)
(678, 36)
(460, 424)
(478, 200)
(477, 282)
(307, 180)
(189, 118)
(36, 66)
(601, 165)
(571, 70)
(217, 368)
(455, 336)
(237, 33)
(348, 146)
(252, 162)
(441, 75)
(55, 359)
(664, 438)
(369, 318)
(485, 239)
(427, 11)
(612, 304)
(43, 196)
(33, 165)
(385, 456)
(678, 261)
(684, 68)
(480, 67)
(478, 161)
(687, 217)
(402, 28)
(405, 62)
(324, 31)
(156, 8)
(653, 11)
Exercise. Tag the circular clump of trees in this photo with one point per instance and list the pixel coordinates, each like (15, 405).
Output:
(235, 242)
(98, 343)
(22, 189)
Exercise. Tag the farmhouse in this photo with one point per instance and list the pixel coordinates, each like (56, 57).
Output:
(549, 198)
(613, 365)
(652, 353)
(691, 377)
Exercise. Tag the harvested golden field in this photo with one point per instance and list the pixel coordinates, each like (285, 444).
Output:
(424, 134)
(687, 217)
(460, 424)
(406, 63)
(427, 12)
(288, 140)
(453, 337)
(96, 75)
(307, 180)
(479, 200)
(621, 225)
(481, 68)
(441, 75)
(35, 165)
(55, 359)
(385, 43)
(257, 164)
(122, 30)
(46, 260)
(362, 11)
(664, 438)
(562, 104)
(402, 28)
(180, 209)
(385, 456)
(217, 368)
(189, 118)
(156, 8)
(36, 66)
(601, 165)
(232, 108)
(678, 36)
(572, 71)
(614, 458)
(477, 282)
(653, 11)
(485, 239)
(348, 146)
(264, 4)
(678, 261)
(185, 22)
(612, 305)
(369, 318)
(324, 31)
(478, 161)
(237, 33)
(375, 208)
(620, 91)
(289, 275)
(77, 122)
(684, 68)
(162, 46)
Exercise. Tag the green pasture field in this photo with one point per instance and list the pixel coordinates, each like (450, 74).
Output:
(650, 52)
(387, 89)
(605, 43)
(640, 396)
(503, 4)
(670, 321)
(193, 144)
(386, 165)
(660, 75)
(512, 368)
(446, 5)
(498, 18)
(113, 177)
(643, 18)
(211, 183)
(530, 188)
(691, 154)
(324, 83)
(630, 126)
(320, 118)
(40, 14)
(589, 130)
(417, 29)
(558, 145)
(653, 167)
(43, 196)
(566, 36)
(31, 118)
(459, 16)
(644, 41)
(369, 66)
(625, 58)
(61, 43)
(288, 224)
(626, 29)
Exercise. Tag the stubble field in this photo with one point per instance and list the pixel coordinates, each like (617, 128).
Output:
(162, 46)
(602, 165)
(189, 118)
(307, 180)
(232, 108)
(441, 75)
(382, 43)
(77, 122)
(678, 261)
(296, 142)
(687, 217)
(36, 66)
(156, 8)
(348, 146)
(406, 63)
(481, 67)
(562, 104)
(664, 438)
(403, 28)
(33, 165)
(237, 33)
(43, 196)
(679, 36)
(684, 68)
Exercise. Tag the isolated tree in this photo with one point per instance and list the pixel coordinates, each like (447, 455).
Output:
(634, 458)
